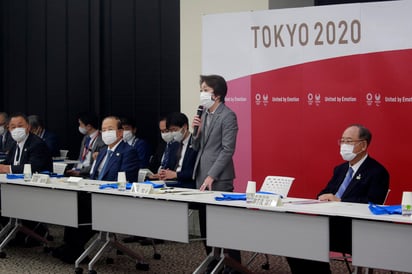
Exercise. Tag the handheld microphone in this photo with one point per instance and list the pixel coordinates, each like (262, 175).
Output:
(198, 113)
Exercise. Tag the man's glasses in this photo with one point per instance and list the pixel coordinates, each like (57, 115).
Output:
(349, 142)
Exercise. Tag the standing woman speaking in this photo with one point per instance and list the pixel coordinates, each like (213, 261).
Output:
(216, 138)
(215, 142)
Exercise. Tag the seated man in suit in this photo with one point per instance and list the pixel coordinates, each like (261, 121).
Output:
(360, 179)
(142, 147)
(117, 156)
(6, 142)
(165, 155)
(178, 124)
(52, 140)
(27, 148)
(91, 143)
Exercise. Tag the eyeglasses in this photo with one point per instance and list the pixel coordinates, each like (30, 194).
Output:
(349, 142)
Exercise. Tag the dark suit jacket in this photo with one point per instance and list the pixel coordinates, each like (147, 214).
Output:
(7, 145)
(156, 160)
(369, 184)
(185, 175)
(144, 152)
(52, 141)
(124, 159)
(35, 152)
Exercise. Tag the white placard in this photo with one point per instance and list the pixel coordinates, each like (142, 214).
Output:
(269, 200)
(59, 168)
(40, 178)
(143, 173)
(142, 188)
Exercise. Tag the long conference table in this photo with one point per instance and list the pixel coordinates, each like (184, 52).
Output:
(299, 228)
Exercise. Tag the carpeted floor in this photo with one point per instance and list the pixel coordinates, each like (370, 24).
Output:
(175, 258)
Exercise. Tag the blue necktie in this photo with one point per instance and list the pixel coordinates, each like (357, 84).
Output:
(87, 142)
(102, 172)
(345, 183)
(166, 157)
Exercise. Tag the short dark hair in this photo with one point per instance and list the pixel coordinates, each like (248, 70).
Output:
(89, 118)
(19, 114)
(218, 83)
(129, 121)
(119, 122)
(177, 119)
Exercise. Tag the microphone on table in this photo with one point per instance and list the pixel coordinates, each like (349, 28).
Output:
(198, 113)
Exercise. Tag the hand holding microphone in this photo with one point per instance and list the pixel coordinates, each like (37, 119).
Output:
(196, 121)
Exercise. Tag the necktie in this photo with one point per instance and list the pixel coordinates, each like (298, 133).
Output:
(103, 171)
(85, 148)
(18, 154)
(345, 183)
(166, 157)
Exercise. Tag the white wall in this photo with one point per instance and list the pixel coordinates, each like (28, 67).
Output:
(191, 12)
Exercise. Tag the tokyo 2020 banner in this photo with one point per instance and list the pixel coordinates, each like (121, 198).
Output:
(298, 77)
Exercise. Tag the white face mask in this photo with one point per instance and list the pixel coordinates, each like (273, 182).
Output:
(18, 134)
(82, 130)
(167, 137)
(127, 135)
(178, 135)
(2, 130)
(109, 137)
(206, 99)
(346, 151)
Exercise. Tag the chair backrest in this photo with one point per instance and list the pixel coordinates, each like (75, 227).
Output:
(277, 184)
